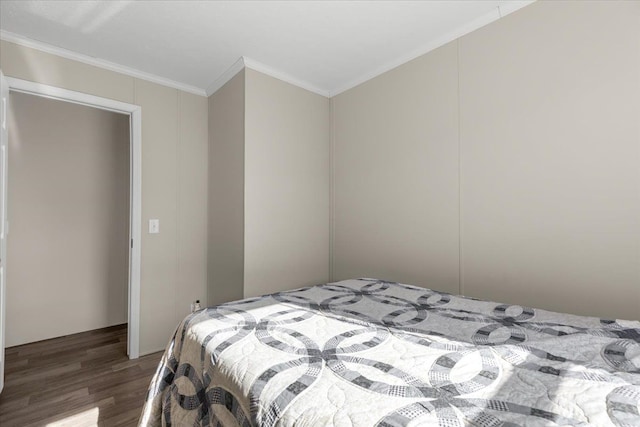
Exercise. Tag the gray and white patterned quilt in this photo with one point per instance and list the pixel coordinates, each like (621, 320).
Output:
(374, 353)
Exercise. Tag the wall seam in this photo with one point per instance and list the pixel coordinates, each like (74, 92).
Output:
(244, 180)
(207, 208)
(332, 220)
(460, 269)
(176, 289)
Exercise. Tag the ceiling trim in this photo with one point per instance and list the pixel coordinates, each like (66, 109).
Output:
(505, 8)
(225, 77)
(501, 11)
(265, 69)
(97, 62)
(244, 62)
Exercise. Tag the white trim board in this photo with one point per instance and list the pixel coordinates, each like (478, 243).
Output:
(270, 71)
(499, 12)
(224, 78)
(244, 62)
(505, 8)
(97, 62)
(135, 221)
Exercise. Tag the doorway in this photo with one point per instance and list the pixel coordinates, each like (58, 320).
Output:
(68, 200)
(134, 215)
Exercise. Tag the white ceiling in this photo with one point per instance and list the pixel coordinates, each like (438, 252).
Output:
(324, 46)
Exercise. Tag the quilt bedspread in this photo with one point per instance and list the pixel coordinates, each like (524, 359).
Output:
(374, 353)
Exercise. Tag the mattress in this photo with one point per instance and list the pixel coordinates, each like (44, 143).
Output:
(375, 353)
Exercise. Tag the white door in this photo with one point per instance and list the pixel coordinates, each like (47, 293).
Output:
(4, 151)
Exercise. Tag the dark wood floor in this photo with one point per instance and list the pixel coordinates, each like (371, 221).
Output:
(61, 382)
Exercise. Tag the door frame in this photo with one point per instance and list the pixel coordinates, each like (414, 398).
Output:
(4, 143)
(135, 183)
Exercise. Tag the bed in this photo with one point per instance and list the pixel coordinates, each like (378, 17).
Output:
(368, 352)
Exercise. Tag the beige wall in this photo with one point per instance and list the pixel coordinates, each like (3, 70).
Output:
(548, 115)
(550, 126)
(173, 183)
(269, 188)
(192, 196)
(286, 186)
(226, 192)
(69, 210)
(395, 157)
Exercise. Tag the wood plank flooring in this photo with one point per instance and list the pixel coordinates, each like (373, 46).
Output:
(79, 380)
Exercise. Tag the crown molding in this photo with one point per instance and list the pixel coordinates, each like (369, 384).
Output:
(244, 62)
(501, 11)
(97, 62)
(504, 9)
(265, 69)
(226, 76)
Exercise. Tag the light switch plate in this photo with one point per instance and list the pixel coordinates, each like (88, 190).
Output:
(154, 226)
